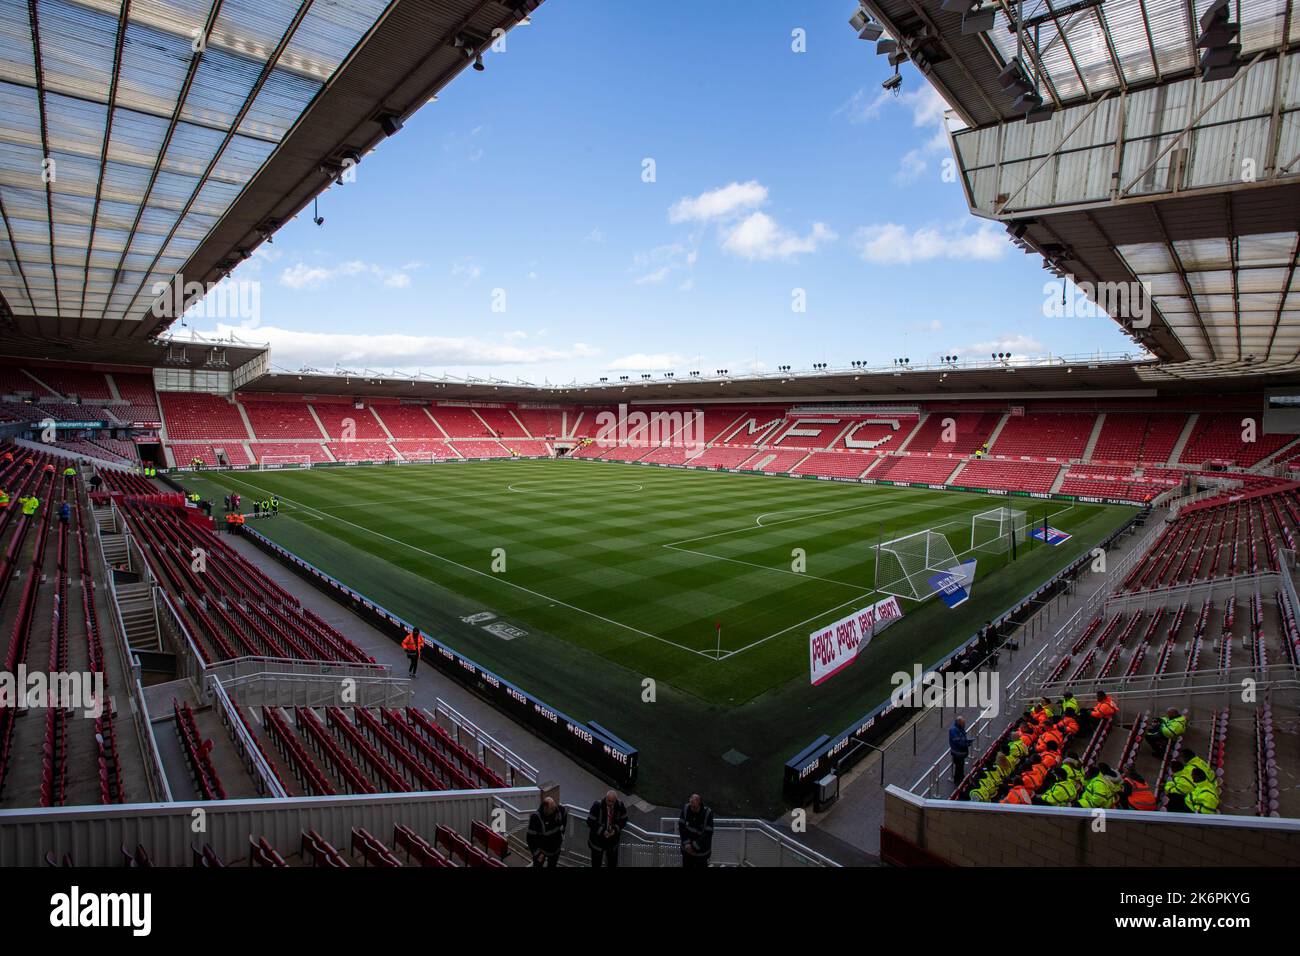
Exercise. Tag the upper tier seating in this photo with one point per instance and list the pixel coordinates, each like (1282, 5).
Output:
(1138, 437)
(282, 421)
(86, 385)
(1045, 435)
(542, 422)
(460, 422)
(408, 422)
(13, 381)
(970, 431)
(344, 423)
(138, 391)
(502, 422)
(1219, 437)
(195, 416)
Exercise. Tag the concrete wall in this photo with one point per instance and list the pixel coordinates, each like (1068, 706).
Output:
(970, 834)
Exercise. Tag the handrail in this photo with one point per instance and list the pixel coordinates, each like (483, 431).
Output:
(250, 747)
(514, 762)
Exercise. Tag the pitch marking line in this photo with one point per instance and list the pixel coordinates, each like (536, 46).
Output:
(491, 577)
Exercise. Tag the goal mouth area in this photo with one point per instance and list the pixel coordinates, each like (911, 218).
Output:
(998, 531)
(904, 566)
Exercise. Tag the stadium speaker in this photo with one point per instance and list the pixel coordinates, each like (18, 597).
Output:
(1040, 114)
(1026, 102)
(871, 31)
(1014, 77)
(390, 123)
(978, 21)
(886, 47)
(1216, 12)
(1219, 56)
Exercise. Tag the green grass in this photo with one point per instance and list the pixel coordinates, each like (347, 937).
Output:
(618, 573)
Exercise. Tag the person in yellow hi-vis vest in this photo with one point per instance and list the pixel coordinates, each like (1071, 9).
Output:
(30, 504)
(4, 498)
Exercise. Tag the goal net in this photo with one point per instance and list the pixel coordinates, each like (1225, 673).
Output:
(273, 462)
(994, 532)
(905, 565)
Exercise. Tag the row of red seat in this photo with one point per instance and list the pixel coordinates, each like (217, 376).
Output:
(233, 608)
(197, 753)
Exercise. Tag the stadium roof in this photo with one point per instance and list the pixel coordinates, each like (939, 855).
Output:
(1101, 377)
(1081, 49)
(180, 134)
(1137, 171)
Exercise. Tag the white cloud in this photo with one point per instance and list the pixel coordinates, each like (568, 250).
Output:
(892, 244)
(758, 236)
(718, 203)
(302, 276)
(291, 348)
(663, 261)
(647, 362)
(653, 278)
(516, 335)
(595, 236)
(466, 269)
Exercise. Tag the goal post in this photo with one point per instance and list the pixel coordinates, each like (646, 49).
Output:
(998, 531)
(275, 462)
(905, 565)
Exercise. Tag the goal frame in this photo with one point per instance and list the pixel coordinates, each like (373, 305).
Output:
(1013, 526)
(277, 462)
(914, 584)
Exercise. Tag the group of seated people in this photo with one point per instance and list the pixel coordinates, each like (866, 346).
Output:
(1035, 767)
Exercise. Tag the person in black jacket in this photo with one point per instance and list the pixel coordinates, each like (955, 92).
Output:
(605, 822)
(546, 833)
(695, 827)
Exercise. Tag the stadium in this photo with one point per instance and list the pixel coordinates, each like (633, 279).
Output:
(962, 610)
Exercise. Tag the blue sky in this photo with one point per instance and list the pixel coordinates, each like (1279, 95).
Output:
(509, 230)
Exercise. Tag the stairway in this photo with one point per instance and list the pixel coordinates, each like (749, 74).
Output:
(1092, 439)
(1183, 437)
(139, 619)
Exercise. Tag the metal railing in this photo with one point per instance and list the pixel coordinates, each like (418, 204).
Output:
(494, 754)
(93, 836)
(249, 751)
(736, 842)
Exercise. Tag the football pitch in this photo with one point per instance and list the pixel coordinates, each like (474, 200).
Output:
(605, 575)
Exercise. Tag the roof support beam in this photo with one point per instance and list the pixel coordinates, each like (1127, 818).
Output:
(38, 63)
(162, 153)
(270, 65)
(123, 17)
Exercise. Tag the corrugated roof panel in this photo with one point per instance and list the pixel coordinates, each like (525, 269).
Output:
(77, 46)
(17, 59)
(328, 33)
(278, 105)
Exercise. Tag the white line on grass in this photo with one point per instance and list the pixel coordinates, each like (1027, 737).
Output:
(491, 577)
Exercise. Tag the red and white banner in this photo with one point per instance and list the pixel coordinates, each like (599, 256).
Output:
(837, 645)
